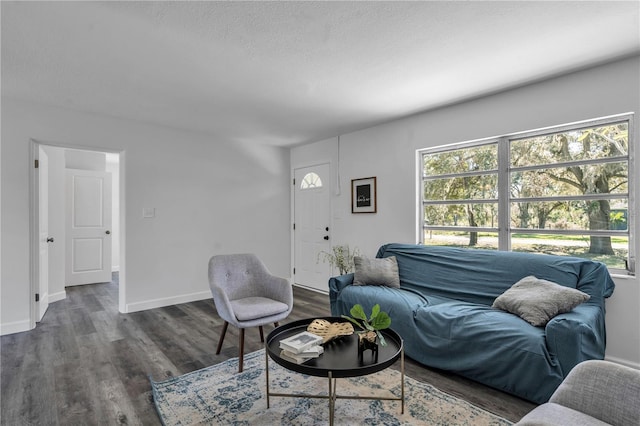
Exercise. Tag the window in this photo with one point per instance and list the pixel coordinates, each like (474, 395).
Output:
(311, 180)
(564, 190)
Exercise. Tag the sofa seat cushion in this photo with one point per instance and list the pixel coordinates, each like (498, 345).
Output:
(491, 346)
(468, 322)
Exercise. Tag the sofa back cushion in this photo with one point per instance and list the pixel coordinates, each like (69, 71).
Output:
(479, 276)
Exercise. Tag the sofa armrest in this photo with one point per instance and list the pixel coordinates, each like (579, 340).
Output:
(336, 285)
(577, 336)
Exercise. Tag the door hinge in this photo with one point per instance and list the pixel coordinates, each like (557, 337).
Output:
(294, 181)
(37, 297)
(294, 226)
(294, 271)
(36, 164)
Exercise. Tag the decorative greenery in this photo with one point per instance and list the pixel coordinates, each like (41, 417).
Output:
(341, 257)
(377, 321)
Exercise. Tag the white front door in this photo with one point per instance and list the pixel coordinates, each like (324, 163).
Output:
(88, 258)
(312, 232)
(42, 301)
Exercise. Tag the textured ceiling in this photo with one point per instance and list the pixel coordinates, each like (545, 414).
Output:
(284, 73)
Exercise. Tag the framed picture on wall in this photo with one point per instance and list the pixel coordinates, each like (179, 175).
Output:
(363, 195)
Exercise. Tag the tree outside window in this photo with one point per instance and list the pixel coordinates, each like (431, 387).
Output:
(563, 191)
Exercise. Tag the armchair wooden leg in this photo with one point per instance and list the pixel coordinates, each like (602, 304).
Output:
(261, 334)
(241, 354)
(222, 333)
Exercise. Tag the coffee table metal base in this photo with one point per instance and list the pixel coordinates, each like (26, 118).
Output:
(333, 395)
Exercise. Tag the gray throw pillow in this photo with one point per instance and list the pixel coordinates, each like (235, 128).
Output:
(382, 271)
(537, 301)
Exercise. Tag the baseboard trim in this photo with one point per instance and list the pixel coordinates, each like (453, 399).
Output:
(15, 327)
(623, 362)
(311, 288)
(55, 297)
(166, 301)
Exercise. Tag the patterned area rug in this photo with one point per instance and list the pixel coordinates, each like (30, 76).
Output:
(218, 395)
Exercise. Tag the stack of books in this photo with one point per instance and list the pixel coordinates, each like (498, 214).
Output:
(301, 347)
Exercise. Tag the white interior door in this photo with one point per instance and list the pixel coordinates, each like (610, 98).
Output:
(312, 232)
(43, 235)
(88, 257)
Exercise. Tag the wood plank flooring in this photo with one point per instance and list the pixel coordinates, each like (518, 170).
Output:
(88, 364)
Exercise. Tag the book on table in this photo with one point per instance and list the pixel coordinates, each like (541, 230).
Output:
(300, 342)
(299, 358)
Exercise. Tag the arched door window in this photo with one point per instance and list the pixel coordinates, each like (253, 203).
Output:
(311, 180)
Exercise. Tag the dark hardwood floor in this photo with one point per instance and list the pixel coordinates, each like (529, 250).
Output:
(88, 364)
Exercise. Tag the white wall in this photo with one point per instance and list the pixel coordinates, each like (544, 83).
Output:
(389, 152)
(210, 197)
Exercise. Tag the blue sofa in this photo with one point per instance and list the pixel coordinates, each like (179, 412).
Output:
(443, 312)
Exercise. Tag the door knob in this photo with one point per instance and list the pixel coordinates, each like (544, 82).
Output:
(107, 232)
(326, 237)
(326, 229)
(50, 239)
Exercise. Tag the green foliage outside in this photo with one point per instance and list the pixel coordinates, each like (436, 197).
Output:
(549, 176)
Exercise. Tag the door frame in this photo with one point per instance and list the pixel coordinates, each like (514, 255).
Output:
(34, 217)
(293, 205)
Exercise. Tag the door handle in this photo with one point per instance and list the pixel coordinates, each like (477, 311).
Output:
(326, 237)
(107, 232)
(50, 239)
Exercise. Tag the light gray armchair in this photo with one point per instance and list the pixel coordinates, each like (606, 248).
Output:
(594, 393)
(247, 295)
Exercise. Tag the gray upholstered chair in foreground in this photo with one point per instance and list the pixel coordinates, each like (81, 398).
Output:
(247, 295)
(593, 393)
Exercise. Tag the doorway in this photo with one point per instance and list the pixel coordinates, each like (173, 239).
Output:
(51, 214)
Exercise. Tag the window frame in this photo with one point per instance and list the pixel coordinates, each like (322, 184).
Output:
(504, 230)
(307, 183)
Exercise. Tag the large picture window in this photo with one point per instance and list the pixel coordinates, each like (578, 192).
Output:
(562, 190)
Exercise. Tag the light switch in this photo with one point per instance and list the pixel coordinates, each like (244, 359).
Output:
(148, 212)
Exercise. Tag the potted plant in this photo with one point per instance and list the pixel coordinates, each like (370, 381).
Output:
(341, 257)
(370, 326)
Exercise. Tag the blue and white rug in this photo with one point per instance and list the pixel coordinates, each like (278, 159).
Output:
(218, 395)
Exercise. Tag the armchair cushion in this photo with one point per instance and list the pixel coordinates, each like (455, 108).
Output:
(251, 308)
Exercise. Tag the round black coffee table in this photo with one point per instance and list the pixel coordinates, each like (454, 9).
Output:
(339, 360)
